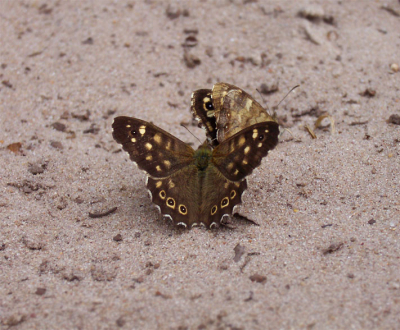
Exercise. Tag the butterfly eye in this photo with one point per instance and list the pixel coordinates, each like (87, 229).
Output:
(209, 106)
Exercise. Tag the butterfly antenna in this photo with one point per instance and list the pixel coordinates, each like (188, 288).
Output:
(287, 95)
(260, 95)
(191, 133)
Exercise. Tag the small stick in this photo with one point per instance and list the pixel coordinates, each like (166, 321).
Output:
(100, 215)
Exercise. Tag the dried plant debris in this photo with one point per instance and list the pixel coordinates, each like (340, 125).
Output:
(191, 31)
(88, 41)
(82, 117)
(317, 124)
(37, 168)
(357, 123)
(247, 259)
(40, 291)
(190, 41)
(333, 248)
(244, 218)
(57, 145)
(394, 119)
(258, 278)
(191, 60)
(120, 322)
(269, 89)
(369, 92)
(310, 131)
(391, 10)
(315, 13)
(44, 9)
(312, 34)
(59, 126)
(312, 12)
(162, 295)
(14, 319)
(102, 214)
(101, 274)
(173, 12)
(117, 238)
(93, 129)
(239, 251)
(7, 84)
(15, 147)
(32, 243)
(321, 118)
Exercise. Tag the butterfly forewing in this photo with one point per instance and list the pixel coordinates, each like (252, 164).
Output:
(203, 111)
(235, 110)
(155, 151)
(239, 155)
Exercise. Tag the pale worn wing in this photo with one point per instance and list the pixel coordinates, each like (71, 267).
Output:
(235, 110)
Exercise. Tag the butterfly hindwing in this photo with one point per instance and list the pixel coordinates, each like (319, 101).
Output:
(239, 155)
(203, 111)
(154, 150)
(219, 197)
(178, 196)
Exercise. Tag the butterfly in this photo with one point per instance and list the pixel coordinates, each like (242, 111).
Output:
(226, 110)
(195, 187)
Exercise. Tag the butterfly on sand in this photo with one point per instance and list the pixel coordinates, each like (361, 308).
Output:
(195, 187)
(226, 110)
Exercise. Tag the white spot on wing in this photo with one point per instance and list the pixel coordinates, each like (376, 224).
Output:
(255, 133)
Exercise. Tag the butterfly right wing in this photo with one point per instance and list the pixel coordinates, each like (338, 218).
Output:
(154, 150)
(203, 111)
(219, 197)
(235, 110)
(239, 155)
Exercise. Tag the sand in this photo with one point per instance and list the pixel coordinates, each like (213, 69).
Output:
(325, 252)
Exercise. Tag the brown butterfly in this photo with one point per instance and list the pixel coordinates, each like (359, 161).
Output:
(231, 108)
(195, 187)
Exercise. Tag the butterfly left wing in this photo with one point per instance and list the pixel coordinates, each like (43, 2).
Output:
(154, 150)
(239, 155)
(178, 196)
(203, 111)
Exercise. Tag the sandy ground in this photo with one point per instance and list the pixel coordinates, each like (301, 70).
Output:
(326, 252)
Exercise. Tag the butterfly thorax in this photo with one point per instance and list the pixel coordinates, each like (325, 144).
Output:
(202, 157)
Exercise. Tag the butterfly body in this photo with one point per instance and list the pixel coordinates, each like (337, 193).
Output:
(194, 187)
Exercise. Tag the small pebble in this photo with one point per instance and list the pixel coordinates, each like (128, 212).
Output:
(394, 67)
